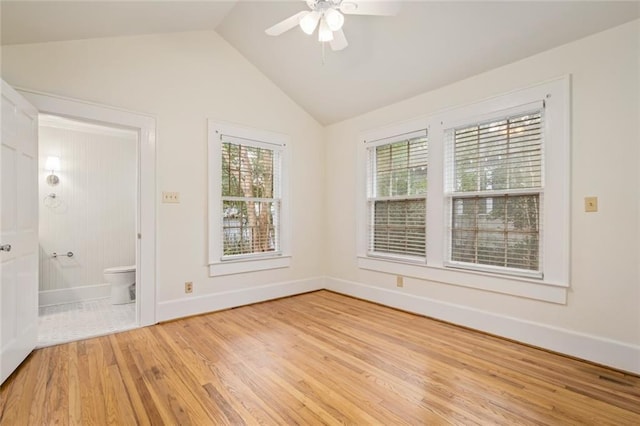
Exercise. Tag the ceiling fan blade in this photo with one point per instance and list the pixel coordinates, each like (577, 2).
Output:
(339, 41)
(286, 25)
(370, 7)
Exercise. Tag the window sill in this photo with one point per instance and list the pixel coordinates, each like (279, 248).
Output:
(411, 260)
(231, 267)
(515, 286)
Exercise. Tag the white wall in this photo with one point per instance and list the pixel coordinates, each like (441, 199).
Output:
(93, 213)
(183, 79)
(603, 308)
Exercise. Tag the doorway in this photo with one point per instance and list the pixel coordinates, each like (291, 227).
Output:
(88, 196)
(91, 296)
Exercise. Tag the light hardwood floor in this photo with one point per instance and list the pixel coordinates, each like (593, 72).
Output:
(312, 359)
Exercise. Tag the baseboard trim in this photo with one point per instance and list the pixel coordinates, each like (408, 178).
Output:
(74, 294)
(619, 355)
(189, 306)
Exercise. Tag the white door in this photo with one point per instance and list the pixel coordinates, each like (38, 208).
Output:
(18, 230)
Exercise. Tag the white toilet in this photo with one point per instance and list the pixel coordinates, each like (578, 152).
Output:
(123, 284)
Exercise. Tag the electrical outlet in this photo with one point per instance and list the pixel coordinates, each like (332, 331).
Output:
(188, 287)
(170, 197)
(399, 281)
(590, 204)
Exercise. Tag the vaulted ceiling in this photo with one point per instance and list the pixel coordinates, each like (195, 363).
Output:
(427, 45)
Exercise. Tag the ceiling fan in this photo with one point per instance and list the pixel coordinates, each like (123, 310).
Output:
(328, 17)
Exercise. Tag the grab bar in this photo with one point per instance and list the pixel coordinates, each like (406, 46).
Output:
(69, 254)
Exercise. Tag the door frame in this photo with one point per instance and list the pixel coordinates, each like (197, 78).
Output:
(145, 125)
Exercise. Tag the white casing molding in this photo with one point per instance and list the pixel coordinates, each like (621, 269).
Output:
(74, 294)
(145, 125)
(188, 306)
(600, 350)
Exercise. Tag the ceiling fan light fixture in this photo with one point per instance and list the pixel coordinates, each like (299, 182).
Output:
(328, 15)
(334, 19)
(309, 22)
(324, 33)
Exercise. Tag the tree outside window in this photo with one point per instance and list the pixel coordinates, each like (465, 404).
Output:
(250, 207)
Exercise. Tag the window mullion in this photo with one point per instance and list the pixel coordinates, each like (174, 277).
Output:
(497, 193)
(475, 230)
(477, 160)
(506, 230)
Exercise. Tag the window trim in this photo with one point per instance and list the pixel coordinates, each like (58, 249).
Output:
(219, 266)
(556, 215)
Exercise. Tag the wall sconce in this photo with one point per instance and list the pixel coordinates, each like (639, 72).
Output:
(53, 164)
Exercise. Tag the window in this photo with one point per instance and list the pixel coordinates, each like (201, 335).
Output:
(397, 196)
(247, 206)
(495, 193)
(250, 199)
(495, 216)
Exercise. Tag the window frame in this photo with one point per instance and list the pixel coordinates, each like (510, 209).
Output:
(226, 265)
(552, 287)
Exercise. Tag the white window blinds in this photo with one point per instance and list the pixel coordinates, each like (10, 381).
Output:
(250, 198)
(495, 189)
(397, 182)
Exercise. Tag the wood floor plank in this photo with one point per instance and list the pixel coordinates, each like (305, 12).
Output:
(75, 388)
(204, 357)
(35, 396)
(126, 387)
(17, 400)
(57, 391)
(204, 408)
(219, 391)
(317, 358)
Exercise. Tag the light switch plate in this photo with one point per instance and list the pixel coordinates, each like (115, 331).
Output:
(590, 204)
(170, 197)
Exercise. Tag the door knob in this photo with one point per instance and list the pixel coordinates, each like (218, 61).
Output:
(5, 247)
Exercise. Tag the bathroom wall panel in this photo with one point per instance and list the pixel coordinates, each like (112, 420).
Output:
(93, 212)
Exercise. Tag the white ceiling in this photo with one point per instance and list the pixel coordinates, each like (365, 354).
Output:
(27, 21)
(429, 44)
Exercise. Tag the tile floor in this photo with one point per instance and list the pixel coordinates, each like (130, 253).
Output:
(80, 320)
